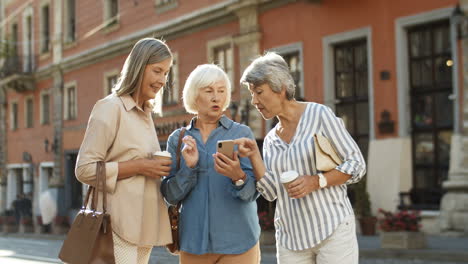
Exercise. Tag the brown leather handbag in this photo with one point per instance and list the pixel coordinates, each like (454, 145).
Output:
(174, 210)
(89, 240)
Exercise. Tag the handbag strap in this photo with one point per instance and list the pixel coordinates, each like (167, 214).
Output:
(179, 144)
(100, 180)
(102, 176)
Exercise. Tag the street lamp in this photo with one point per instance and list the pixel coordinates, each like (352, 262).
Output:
(460, 21)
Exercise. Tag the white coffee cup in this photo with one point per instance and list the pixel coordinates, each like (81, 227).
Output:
(162, 154)
(287, 177)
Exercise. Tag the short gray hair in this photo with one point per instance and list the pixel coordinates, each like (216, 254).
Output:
(273, 70)
(145, 52)
(204, 75)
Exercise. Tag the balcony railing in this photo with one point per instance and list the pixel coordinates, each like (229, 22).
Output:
(22, 65)
(17, 72)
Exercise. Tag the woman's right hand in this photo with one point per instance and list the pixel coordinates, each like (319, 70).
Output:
(190, 151)
(247, 147)
(156, 167)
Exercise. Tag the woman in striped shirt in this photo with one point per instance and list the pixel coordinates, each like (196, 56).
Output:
(314, 221)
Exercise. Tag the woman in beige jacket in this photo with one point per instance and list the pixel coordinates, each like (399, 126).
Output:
(121, 133)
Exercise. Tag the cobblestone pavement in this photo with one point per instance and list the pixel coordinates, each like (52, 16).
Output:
(401, 261)
(15, 249)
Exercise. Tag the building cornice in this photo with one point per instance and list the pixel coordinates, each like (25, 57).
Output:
(198, 19)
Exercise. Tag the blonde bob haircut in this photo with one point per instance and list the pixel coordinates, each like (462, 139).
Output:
(145, 52)
(203, 76)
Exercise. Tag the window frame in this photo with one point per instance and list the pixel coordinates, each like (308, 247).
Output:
(68, 37)
(110, 21)
(175, 89)
(222, 42)
(27, 117)
(42, 108)
(163, 6)
(107, 75)
(66, 101)
(45, 43)
(14, 117)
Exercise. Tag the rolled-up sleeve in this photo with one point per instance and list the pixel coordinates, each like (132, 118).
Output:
(335, 130)
(179, 182)
(267, 184)
(99, 136)
(248, 191)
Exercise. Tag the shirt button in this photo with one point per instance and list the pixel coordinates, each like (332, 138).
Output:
(260, 189)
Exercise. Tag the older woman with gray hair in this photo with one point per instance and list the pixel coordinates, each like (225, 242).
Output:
(218, 222)
(314, 219)
(121, 133)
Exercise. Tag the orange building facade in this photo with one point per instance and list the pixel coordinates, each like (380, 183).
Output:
(391, 69)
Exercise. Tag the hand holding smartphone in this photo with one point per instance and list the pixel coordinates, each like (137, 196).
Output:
(226, 147)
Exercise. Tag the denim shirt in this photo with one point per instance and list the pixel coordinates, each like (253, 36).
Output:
(216, 216)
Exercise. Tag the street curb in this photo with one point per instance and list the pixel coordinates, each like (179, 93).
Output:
(34, 236)
(402, 254)
(408, 254)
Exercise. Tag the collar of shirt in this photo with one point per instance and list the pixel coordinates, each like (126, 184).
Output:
(129, 103)
(223, 121)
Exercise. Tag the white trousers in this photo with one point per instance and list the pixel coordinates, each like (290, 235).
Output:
(340, 248)
(128, 253)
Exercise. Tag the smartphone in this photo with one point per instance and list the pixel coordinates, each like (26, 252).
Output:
(226, 147)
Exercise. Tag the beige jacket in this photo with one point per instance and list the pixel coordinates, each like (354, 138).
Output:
(118, 130)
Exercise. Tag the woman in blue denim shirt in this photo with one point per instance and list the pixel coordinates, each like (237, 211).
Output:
(219, 222)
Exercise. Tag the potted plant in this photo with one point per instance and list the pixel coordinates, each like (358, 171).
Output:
(401, 230)
(267, 236)
(362, 208)
(9, 224)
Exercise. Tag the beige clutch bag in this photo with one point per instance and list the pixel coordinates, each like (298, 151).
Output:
(325, 155)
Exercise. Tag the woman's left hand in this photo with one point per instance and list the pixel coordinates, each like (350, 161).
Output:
(303, 185)
(228, 167)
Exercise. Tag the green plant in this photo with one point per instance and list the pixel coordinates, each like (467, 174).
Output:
(266, 221)
(399, 221)
(362, 205)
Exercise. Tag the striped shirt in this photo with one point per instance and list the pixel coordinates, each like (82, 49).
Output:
(304, 223)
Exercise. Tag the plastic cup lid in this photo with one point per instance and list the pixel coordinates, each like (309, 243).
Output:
(163, 153)
(288, 176)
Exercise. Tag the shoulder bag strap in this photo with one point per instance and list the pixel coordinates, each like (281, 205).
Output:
(179, 144)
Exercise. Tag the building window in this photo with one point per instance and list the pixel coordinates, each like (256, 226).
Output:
(111, 81)
(14, 116)
(292, 54)
(171, 89)
(432, 109)
(28, 50)
(14, 40)
(29, 112)
(165, 5)
(224, 57)
(295, 67)
(45, 108)
(70, 106)
(70, 21)
(352, 90)
(111, 12)
(45, 29)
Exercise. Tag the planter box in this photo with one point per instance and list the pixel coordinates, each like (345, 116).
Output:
(402, 240)
(26, 229)
(10, 228)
